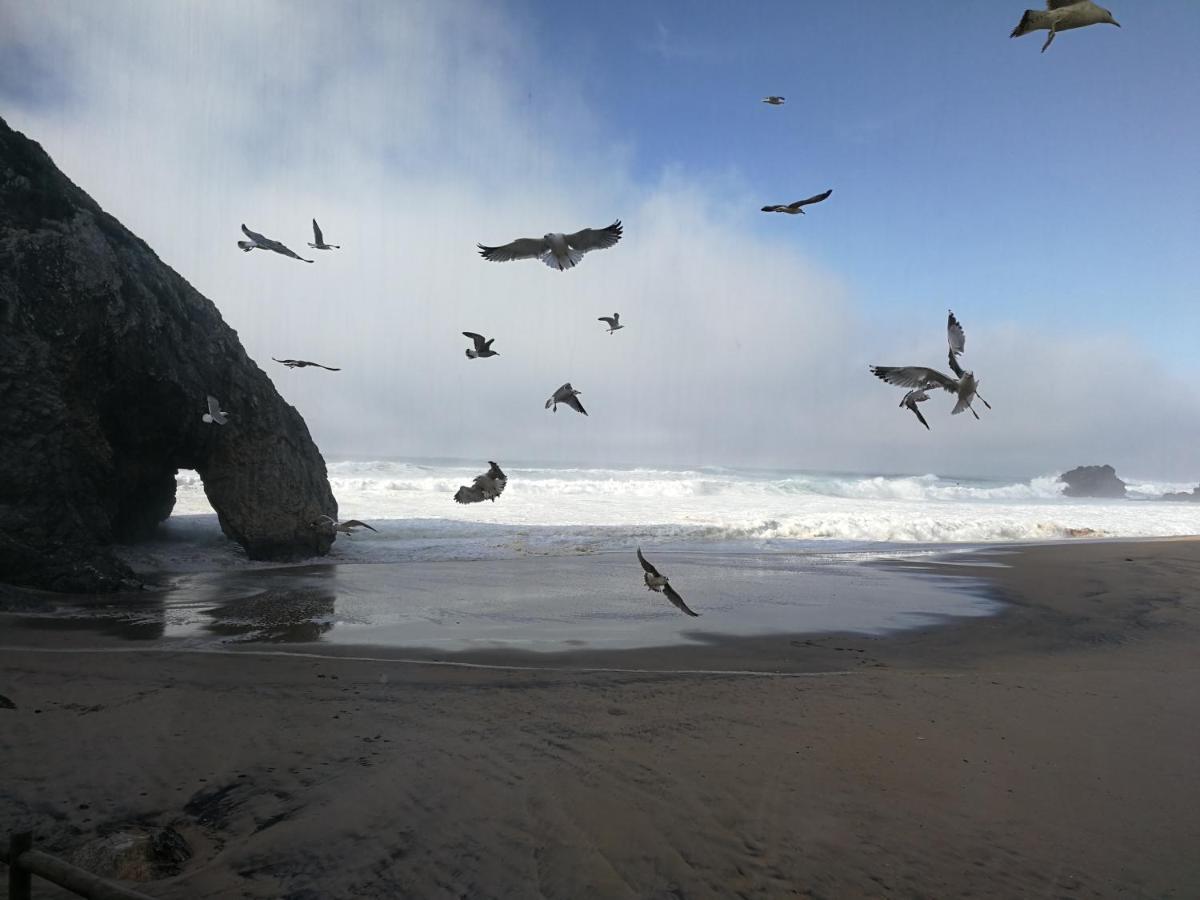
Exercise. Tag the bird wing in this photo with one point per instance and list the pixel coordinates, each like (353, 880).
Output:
(595, 238)
(954, 366)
(214, 406)
(920, 418)
(955, 334)
(1059, 4)
(673, 596)
(326, 368)
(480, 343)
(286, 251)
(353, 522)
(317, 237)
(815, 198)
(521, 248)
(473, 494)
(772, 208)
(914, 377)
(646, 564)
(287, 362)
(572, 401)
(611, 321)
(254, 235)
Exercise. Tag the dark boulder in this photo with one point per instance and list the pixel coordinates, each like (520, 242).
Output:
(106, 356)
(1093, 481)
(1192, 496)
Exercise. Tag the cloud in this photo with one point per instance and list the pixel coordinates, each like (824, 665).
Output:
(412, 132)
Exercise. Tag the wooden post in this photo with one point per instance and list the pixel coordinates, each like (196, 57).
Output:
(20, 881)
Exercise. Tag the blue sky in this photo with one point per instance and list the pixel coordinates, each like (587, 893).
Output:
(1063, 232)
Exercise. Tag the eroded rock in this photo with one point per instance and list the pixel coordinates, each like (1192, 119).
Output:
(1093, 481)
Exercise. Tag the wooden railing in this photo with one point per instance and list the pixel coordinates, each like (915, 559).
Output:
(24, 863)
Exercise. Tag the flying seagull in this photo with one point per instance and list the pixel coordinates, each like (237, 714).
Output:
(215, 415)
(1063, 15)
(258, 242)
(483, 348)
(487, 486)
(774, 101)
(347, 527)
(911, 399)
(558, 251)
(661, 583)
(923, 378)
(614, 322)
(303, 364)
(793, 208)
(318, 241)
(957, 339)
(568, 395)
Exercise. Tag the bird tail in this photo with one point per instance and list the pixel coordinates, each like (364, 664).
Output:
(246, 246)
(573, 258)
(1033, 20)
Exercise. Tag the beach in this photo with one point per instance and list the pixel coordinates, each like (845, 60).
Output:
(1048, 750)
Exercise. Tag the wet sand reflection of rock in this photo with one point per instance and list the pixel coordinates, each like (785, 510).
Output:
(276, 615)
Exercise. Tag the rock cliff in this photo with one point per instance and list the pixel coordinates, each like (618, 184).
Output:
(1093, 481)
(106, 356)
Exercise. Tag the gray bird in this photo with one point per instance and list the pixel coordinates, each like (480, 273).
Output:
(304, 364)
(318, 241)
(662, 584)
(614, 322)
(911, 399)
(957, 339)
(347, 527)
(923, 378)
(483, 348)
(568, 395)
(487, 486)
(215, 415)
(558, 251)
(258, 242)
(795, 208)
(774, 101)
(1063, 15)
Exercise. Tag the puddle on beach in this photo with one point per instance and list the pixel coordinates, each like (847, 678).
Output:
(541, 604)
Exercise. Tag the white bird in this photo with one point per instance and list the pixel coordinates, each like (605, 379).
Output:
(347, 527)
(558, 251)
(662, 584)
(259, 242)
(568, 395)
(487, 486)
(614, 322)
(957, 339)
(318, 241)
(1063, 15)
(483, 348)
(924, 378)
(911, 399)
(795, 208)
(215, 415)
(774, 101)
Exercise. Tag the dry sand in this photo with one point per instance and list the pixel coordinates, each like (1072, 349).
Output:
(1049, 751)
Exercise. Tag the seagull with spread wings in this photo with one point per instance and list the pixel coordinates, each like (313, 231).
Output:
(774, 101)
(318, 241)
(487, 486)
(483, 347)
(614, 322)
(796, 208)
(922, 378)
(662, 584)
(568, 395)
(304, 364)
(558, 251)
(330, 524)
(215, 415)
(1063, 15)
(259, 242)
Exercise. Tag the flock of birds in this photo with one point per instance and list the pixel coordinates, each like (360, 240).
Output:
(563, 251)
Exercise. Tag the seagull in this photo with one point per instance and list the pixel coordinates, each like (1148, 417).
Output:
(347, 527)
(924, 378)
(957, 339)
(614, 322)
(258, 242)
(566, 394)
(303, 364)
(215, 415)
(558, 251)
(911, 399)
(774, 101)
(1063, 15)
(483, 349)
(662, 584)
(487, 486)
(318, 242)
(793, 208)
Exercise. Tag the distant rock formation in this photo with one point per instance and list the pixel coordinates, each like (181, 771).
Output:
(1093, 481)
(1192, 496)
(106, 356)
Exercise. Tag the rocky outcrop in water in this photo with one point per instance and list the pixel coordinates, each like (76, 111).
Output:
(106, 356)
(1093, 481)
(1192, 496)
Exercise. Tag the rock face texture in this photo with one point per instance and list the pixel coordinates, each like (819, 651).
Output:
(1093, 481)
(106, 357)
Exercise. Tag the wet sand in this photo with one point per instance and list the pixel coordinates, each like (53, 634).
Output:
(1047, 751)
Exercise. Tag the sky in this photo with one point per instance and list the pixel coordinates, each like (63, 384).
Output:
(1051, 200)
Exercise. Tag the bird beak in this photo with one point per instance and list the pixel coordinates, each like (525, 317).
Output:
(1115, 22)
